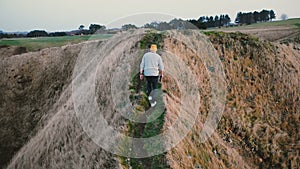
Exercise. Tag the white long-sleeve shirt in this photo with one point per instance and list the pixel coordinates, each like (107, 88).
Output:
(151, 64)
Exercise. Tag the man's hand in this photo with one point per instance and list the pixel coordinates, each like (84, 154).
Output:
(161, 75)
(141, 76)
(160, 78)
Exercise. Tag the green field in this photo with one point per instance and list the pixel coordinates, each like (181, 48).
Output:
(292, 23)
(35, 44)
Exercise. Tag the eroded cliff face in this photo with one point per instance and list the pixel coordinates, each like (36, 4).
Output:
(259, 127)
(38, 124)
(30, 85)
(260, 124)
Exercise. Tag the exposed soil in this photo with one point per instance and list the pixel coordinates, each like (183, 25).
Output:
(259, 127)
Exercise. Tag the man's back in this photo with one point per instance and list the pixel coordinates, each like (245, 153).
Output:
(151, 63)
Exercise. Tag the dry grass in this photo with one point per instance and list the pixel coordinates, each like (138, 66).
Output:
(38, 122)
(259, 127)
(276, 31)
(190, 153)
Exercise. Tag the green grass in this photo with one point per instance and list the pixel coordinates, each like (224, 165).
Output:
(289, 22)
(150, 129)
(293, 23)
(152, 37)
(35, 44)
(157, 116)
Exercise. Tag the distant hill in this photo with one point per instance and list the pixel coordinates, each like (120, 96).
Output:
(276, 31)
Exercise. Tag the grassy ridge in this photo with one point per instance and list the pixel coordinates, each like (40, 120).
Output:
(289, 22)
(140, 101)
(35, 44)
(150, 129)
(293, 23)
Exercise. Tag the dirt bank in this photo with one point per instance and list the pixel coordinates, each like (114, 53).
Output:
(259, 127)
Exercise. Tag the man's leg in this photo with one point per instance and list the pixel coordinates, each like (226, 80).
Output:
(149, 84)
(154, 82)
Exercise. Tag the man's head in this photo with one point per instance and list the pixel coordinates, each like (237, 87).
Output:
(153, 48)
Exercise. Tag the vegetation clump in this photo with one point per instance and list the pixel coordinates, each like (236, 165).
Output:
(141, 104)
(152, 37)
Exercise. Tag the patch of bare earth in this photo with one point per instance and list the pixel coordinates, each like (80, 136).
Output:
(270, 33)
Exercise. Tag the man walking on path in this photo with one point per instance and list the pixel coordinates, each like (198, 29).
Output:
(152, 67)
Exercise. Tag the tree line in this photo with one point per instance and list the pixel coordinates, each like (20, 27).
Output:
(93, 28)
(209, 21)
(255, 17)
(202, 22)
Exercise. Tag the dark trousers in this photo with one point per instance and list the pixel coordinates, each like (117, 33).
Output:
(152, 83)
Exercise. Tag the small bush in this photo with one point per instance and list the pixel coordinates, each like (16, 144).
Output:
(152, 38)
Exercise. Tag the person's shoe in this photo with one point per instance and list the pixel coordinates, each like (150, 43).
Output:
(149, 98)
(153, 104)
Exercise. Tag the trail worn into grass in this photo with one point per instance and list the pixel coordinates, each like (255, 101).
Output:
(259, 127)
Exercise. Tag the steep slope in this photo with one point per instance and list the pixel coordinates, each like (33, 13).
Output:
(57, 139)
(37, 116)
(30, 84)
(260, 124)
(40, 125)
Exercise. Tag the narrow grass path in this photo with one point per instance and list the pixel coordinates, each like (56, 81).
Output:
(145, 130)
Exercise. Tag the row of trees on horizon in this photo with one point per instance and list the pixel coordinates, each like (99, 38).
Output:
(202, 22)
(254, 17)
(42, 33)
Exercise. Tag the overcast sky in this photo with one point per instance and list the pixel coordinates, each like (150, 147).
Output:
(59, 15)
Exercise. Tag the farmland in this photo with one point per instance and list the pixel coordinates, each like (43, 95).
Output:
(35, 44)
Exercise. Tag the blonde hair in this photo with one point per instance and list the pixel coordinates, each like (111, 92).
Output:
(153, 48)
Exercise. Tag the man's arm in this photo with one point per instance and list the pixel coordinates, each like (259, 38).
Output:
(161, 72)
(142, 65)
(161, 68)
